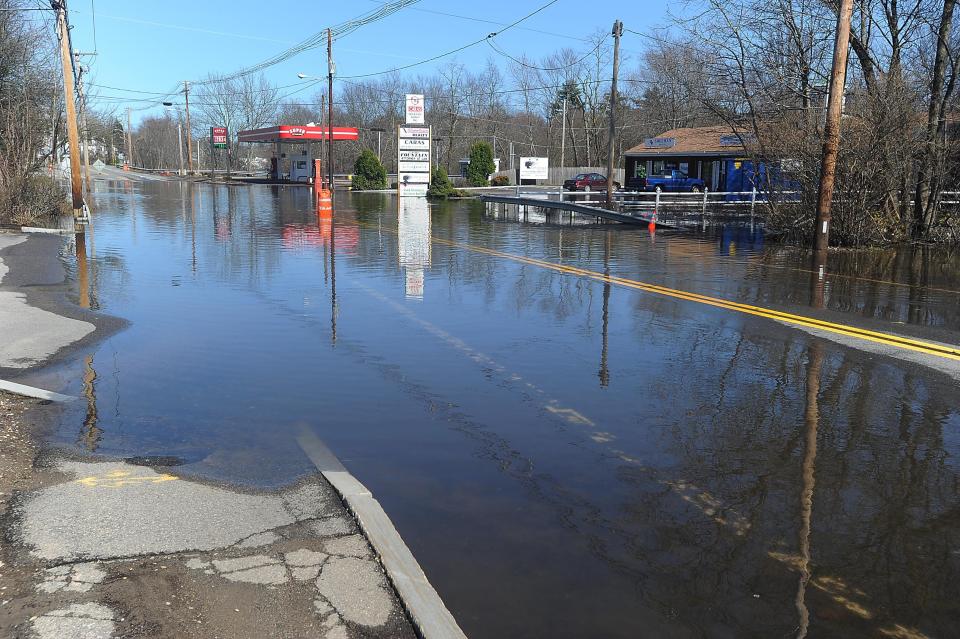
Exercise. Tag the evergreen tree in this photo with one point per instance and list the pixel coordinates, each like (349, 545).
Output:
(481, 164)
(368, 172)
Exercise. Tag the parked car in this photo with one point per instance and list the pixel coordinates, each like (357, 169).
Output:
(638, 183)
(673, 181)
(588, 182)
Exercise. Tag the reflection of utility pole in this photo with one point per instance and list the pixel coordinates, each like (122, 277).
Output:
(831, 134)
(83, 277)
(811, 424)
(73, 137)
(611, 142)
(604, 373)
(91, 433)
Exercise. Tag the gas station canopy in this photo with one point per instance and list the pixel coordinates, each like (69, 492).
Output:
(296, 134)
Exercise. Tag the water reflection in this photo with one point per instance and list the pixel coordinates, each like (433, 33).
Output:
(661, 499)
(413, 243)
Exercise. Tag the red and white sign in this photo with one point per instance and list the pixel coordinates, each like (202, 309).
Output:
(415, 108)
(218, 135)
(297, 133)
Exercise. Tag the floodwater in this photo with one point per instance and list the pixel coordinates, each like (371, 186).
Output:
(566, 457)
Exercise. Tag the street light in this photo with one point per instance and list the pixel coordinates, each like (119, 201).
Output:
(169, 105)
(304, 76)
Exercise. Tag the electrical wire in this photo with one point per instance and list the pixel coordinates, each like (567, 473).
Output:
(531, 66)
(317, 39)
(457, 50)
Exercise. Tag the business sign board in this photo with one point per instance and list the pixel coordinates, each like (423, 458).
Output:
(407, 144)
(659, 143)
(415, 108)
(414, 167)
(534, 168)
(414, 156)
(413, 190)
(413, 159)
(218, 137)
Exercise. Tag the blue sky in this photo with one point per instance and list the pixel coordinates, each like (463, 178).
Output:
(150, 46)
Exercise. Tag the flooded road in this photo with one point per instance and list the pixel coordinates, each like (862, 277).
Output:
(567, 454)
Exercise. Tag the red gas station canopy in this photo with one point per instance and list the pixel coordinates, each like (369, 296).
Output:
(297, 133)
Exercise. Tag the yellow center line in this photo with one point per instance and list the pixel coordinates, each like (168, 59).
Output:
(888, 339)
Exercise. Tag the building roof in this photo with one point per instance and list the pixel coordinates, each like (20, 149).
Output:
(704, 140)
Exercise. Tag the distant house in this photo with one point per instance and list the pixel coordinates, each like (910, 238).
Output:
(716, 154)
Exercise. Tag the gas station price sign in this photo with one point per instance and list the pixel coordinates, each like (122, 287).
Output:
(218, 136)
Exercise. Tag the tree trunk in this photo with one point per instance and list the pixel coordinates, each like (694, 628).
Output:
(924, 206)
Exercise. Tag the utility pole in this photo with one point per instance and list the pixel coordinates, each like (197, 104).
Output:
(563, 131)
(331, 68)
(611, 142)
(83, 126)
(186, 101)
(129, 159)
(831, 135)
(73, 137)
(180, 146)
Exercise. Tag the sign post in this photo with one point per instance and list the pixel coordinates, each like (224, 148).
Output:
(218, 140)
(534, 168)
(413, 151)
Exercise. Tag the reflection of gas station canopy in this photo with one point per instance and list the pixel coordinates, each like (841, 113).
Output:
(296, 134)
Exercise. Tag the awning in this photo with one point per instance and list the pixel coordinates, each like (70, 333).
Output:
(297, 134)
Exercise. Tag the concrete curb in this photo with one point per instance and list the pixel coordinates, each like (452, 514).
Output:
(37, 229)
(30, 391)
(430, 616)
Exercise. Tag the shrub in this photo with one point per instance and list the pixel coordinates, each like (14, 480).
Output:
(481, 164)
(440, 184)
(368, 172)
(500, 180)
(33, 199)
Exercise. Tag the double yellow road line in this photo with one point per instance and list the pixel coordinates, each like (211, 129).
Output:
(886, 339)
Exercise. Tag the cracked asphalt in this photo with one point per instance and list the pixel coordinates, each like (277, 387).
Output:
(121, 550)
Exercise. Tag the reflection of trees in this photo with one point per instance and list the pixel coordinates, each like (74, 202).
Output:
(913, 284)
(876, 548)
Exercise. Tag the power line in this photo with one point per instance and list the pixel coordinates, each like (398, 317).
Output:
(457, 50)
(531, 66)
(318, 38)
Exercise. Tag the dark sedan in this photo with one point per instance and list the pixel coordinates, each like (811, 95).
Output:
(588, 182)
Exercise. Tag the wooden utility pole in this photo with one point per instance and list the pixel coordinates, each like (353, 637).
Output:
(73, 137)
(83, 126)
(831, 134)
(330, 70)
(611, 142)
(563, 131)
(129, 158)
(186, 101)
